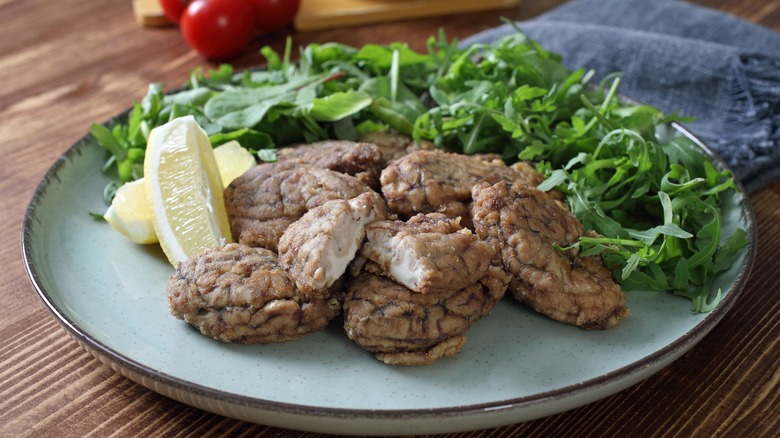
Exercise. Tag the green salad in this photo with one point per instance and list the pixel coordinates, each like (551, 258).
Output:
(654, 203)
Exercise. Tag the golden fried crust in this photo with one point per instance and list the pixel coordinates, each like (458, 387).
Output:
(362, 160)
(393, 145)
(403, 327)
(316, 250)
(434, 181)
(524, 224)
(265, 200)
(428, 253)
(240, 294)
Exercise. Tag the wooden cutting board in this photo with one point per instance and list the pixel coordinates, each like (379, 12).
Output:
(149, 13)
(322, 14)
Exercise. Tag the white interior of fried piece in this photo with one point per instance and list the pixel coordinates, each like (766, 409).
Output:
(332, 241)
(407, 267)
(339, 248)
(410, 258)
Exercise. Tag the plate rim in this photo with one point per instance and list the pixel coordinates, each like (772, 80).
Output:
(669, 352)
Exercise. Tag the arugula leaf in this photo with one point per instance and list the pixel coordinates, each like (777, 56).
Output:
(656, 203)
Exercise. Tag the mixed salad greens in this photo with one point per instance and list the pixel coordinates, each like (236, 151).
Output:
(655, 203)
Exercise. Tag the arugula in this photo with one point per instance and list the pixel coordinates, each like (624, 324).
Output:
(654, 203)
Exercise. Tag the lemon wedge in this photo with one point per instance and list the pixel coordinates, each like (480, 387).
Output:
(184, 190)
(130, 214)
(233, 160)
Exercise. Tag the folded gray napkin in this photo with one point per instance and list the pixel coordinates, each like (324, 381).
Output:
(720, 69)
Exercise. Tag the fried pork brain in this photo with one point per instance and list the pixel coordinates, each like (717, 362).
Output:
(240, 294)
(440, 182)
(403, 327)
(524, 224)
(361, 160)
(316, 249)
(411, 268)
(265, 200)
(393, 145)
(428, 253)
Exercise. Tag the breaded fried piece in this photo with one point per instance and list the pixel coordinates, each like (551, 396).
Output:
(441, 182)
(428, 253)
(403, 327)
(316, 249)
(524, 224)
(360, 159)
(240, 294)
(394, 145)
(265, 200)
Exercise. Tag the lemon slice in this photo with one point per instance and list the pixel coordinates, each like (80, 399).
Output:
(184, 190)
(129, 213)
(233, 161)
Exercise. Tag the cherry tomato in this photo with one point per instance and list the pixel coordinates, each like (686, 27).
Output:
(172, 9)
(217, 29)
(271, 15)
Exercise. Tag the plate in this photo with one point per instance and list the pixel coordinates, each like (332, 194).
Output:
(110, 295)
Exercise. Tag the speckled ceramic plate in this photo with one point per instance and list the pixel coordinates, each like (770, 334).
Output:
(517, 365)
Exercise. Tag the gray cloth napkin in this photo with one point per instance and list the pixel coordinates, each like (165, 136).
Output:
(676, 56)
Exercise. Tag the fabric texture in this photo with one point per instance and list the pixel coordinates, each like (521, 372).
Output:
(676, 56)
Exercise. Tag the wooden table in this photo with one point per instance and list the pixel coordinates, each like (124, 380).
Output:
(67, 63)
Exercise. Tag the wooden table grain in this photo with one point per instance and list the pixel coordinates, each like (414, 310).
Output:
(65, 64)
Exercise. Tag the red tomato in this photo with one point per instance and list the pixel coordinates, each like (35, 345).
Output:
(217, 29)
(172, 9)
(271, 15)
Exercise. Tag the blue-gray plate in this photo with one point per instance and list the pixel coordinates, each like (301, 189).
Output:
(110, 295)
